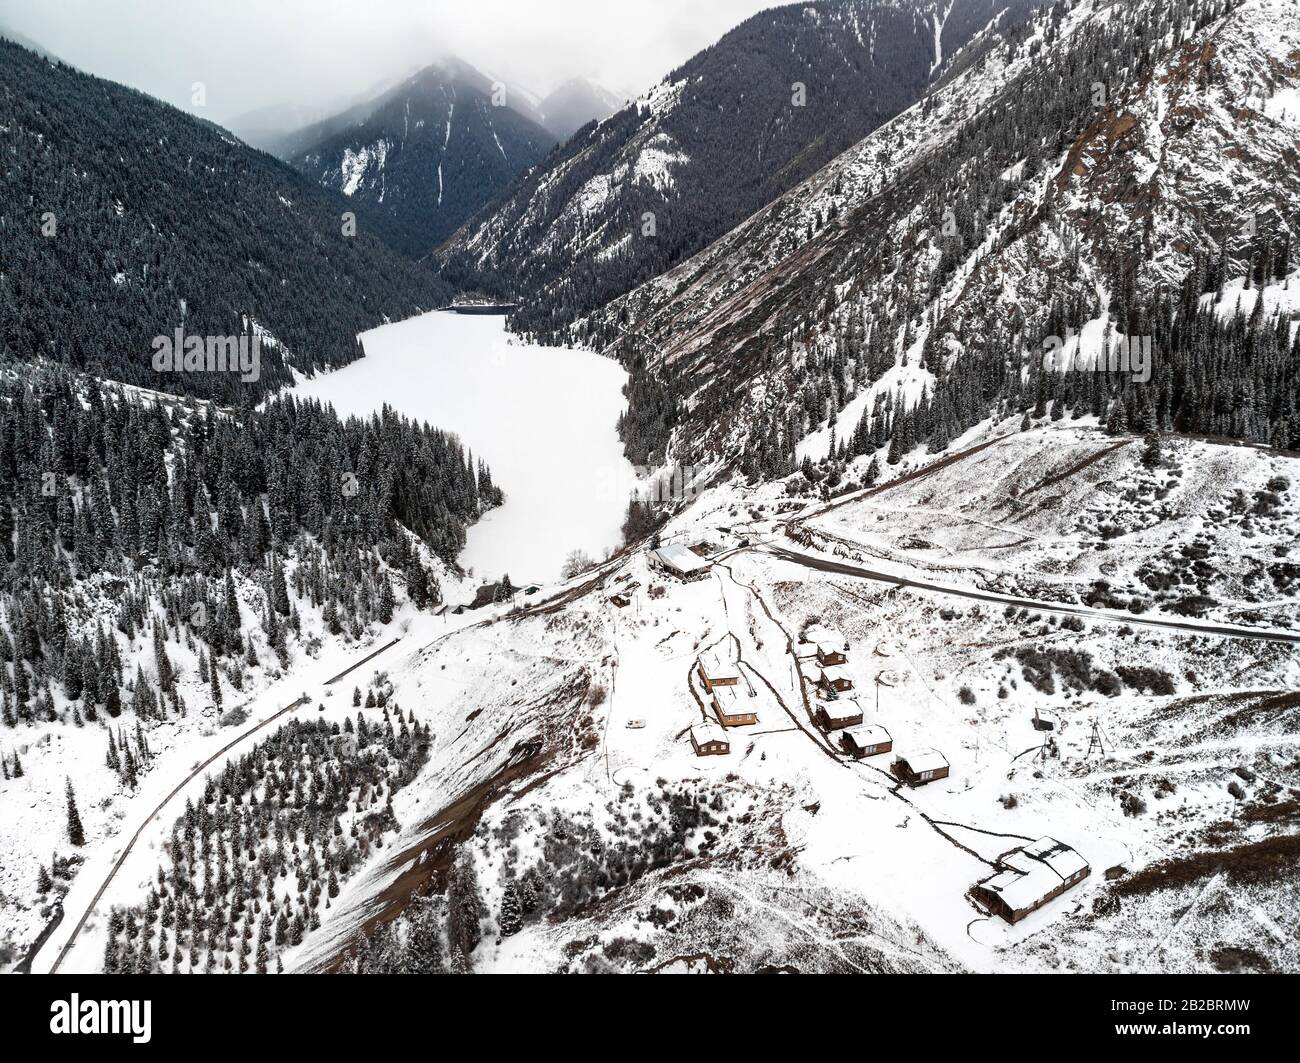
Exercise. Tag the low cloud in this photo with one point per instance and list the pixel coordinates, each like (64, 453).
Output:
(250, 54)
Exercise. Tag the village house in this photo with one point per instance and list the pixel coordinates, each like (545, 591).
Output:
(709, 740)
(837, 714)
(1030, 877)
(835, 680)
(732, 710)
(869, 740)
(832, 647)
(684, 564)
(920, 767)
(718, 671)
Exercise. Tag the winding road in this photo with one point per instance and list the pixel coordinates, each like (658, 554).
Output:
(839, 568)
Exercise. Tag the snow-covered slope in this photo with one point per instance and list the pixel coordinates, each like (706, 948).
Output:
(733, 128)
(1066, 176)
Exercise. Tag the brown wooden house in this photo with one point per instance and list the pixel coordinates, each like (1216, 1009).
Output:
(709, 740)
(838, 713)
(835, 680)
(733, 710)
(870, 740)
(920, 767)
(717, 671)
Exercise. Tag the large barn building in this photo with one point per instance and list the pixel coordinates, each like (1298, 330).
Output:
(1030, 877)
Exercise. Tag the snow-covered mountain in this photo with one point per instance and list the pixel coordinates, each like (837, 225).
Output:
(1063, 182)
(151, 219)
(285, 129)
(429, 154)
(573, 104)
(740, 123)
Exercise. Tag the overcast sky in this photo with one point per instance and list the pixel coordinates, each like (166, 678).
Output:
(254, 53)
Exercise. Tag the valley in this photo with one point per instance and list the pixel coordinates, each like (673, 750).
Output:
(516, 405)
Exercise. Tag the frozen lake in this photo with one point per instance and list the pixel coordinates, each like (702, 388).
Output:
(543, 418)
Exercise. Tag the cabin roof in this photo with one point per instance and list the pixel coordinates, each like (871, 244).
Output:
(835, 673)
(703, 731)
(867, 734)
(841, 709)
(715, 666)
(729, 699)
(920, 760)
(681, 559)
(1061, 858)
(1027, 875)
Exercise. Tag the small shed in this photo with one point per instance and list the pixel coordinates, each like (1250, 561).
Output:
(717, 670)
(621, 601)
(684, 564)
(835, 679)
(837, 714)
(920, 767)
(805, 651)
(1030, 877)
(709, 740)
(732, 710)
(869, 740)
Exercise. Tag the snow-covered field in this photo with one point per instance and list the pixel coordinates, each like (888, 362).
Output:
(543, 418)
(560, 752)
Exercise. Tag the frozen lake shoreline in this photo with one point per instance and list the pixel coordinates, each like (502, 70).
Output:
(543, 418)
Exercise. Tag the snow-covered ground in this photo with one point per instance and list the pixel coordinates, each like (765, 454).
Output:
(561, 746)
(543, 418)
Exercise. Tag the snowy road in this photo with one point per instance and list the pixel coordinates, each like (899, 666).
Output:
(838, 568)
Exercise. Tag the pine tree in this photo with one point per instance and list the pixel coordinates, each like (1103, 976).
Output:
(76, 834)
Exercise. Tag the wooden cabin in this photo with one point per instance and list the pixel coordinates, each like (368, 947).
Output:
(830, 654)
(831, 647)
(732, 709)
(620, 601)
(920, 767)
(718, 671)
(1030, 877)
(709, 740)
(868, 740)
(837, 714)
(681, 563)
(835, 680)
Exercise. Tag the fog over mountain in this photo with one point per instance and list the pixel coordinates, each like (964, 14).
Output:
(252, 56)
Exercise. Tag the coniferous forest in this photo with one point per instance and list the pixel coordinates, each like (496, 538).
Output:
(122, 519)
(125, 219)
